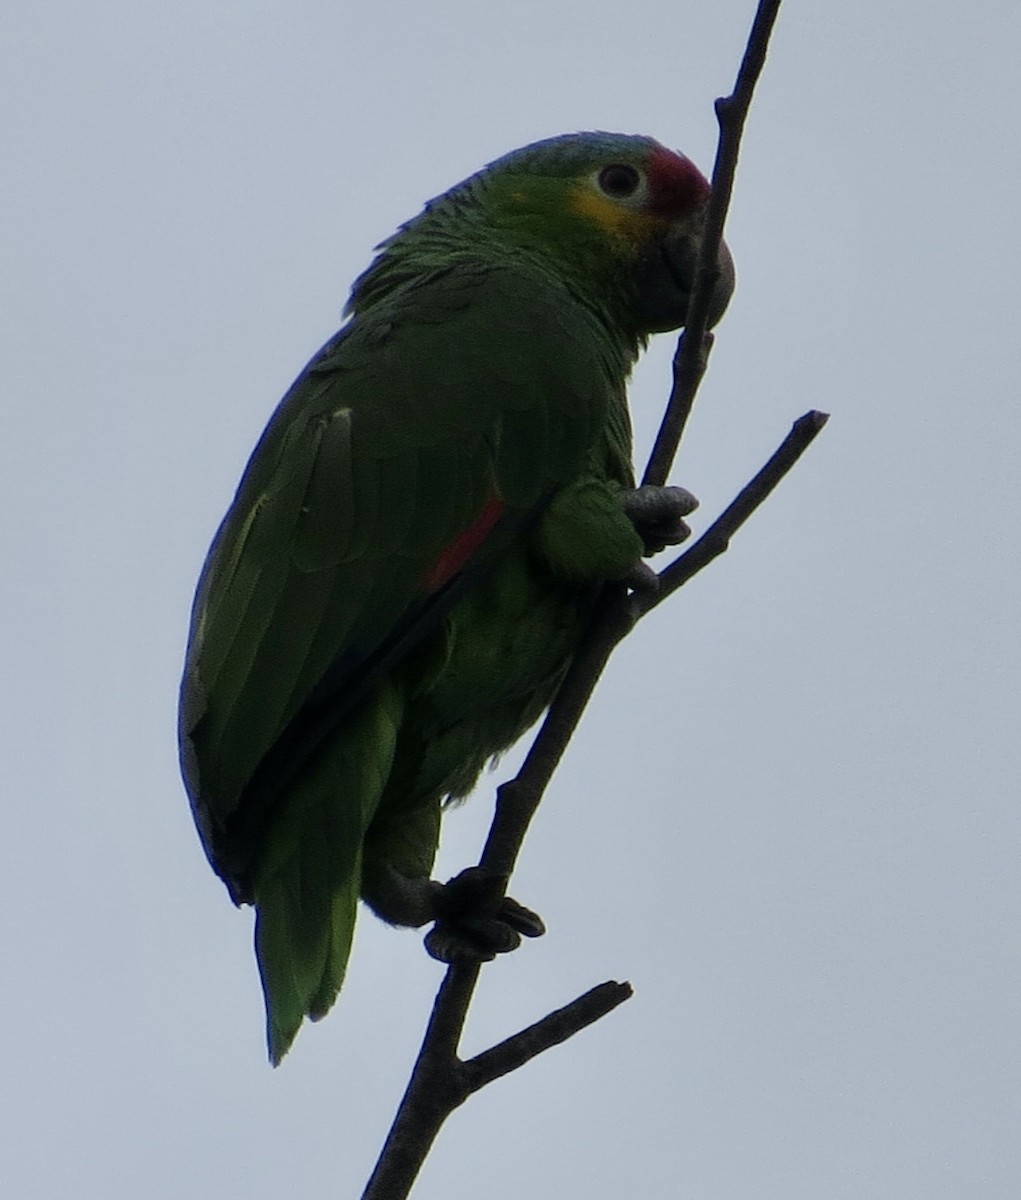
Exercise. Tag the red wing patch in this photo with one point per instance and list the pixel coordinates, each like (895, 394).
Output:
(455, 555)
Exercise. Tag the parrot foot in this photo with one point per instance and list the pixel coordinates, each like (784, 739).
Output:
(656, 514)
(475, 921)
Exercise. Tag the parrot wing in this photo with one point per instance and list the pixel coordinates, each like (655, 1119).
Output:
(411, 449)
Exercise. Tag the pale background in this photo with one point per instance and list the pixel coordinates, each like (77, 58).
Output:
(791, 815)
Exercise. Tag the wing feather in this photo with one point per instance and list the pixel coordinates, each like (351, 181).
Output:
(391, 443)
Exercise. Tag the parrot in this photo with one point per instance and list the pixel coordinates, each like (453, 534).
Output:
(417, 542)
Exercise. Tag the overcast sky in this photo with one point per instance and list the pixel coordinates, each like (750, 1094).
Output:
(791, 815)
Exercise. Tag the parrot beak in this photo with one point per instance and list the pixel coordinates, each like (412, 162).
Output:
(665, 276)
(723, 288)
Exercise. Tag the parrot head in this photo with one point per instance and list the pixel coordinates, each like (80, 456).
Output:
(619, 217)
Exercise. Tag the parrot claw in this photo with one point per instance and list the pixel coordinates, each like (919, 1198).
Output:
(642, 578)
(475, 921)
(656, 514)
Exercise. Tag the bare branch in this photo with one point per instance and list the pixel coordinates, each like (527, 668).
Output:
(517, 800)
(437, 1086)
(440, 1080)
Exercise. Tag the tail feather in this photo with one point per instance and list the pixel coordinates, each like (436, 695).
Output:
(342, 929)
(309, 877)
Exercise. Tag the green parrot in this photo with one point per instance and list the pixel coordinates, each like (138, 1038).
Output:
(417, 541)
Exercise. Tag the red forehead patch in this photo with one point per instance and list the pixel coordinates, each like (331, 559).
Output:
(675, 183)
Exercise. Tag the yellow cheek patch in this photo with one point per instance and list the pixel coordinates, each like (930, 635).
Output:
(616, 220)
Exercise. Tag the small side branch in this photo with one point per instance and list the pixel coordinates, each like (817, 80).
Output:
(553, 1029)
(716, 538)
(441, 1081)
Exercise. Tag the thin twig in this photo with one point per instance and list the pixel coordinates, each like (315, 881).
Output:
(694, 344)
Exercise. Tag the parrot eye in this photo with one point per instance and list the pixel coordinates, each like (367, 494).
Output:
(619, 180)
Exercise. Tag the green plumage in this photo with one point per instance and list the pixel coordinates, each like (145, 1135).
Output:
(419, 535)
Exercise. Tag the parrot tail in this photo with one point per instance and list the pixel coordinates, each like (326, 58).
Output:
(308, 877)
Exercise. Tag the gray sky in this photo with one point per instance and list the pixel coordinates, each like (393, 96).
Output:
(791, 815)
